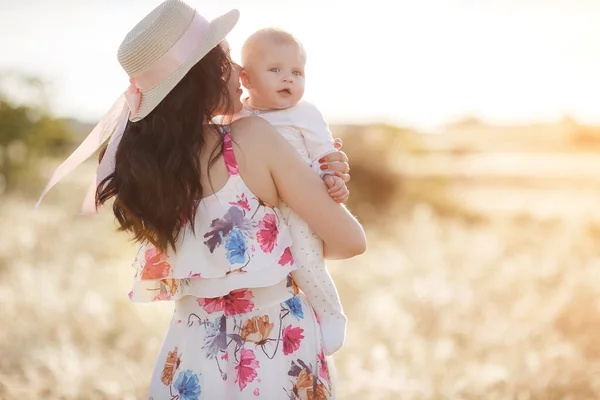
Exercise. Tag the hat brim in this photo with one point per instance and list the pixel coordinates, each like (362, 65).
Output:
(219, 28)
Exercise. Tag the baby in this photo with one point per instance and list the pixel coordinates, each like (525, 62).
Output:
(273, 64)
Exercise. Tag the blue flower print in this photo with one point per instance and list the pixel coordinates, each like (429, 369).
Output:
(295, 307)
(187, 385)
(236, 247)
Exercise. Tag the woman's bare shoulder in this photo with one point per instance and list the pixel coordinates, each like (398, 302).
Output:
(253, 132)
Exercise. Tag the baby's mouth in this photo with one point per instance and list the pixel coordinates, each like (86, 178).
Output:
(285, 91)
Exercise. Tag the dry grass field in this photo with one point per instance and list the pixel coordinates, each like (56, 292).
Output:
(475, 286)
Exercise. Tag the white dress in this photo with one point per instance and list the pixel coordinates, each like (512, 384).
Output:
(241, 328)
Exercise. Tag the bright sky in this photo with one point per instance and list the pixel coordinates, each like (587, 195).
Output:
(421, 63)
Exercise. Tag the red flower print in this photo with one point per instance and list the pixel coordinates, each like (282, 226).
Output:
(183, 219)
(242, 202)
(156, 266)
(211, 304)
(256, 392)
(246, 369)
(236, 302)
(229, 156)
(161, 296)
(267, 235)
(286, 257)
(323, 370)
(291, 339)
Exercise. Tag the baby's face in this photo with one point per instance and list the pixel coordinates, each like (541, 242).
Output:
(275, 76)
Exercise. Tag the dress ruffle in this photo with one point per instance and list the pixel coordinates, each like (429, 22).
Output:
(188, 281)
(237, 244)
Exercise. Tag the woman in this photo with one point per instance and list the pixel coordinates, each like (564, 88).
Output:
(201, 199)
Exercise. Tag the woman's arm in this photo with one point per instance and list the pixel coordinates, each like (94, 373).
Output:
(305, 193)
(338, 164)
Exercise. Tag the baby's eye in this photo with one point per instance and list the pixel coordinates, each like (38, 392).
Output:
(297, 73)
(275, 69)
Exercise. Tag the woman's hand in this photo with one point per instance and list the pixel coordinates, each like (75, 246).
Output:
(336, 162)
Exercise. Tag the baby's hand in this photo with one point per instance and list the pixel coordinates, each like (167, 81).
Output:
(337, 188)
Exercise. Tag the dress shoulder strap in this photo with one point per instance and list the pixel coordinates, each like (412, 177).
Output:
(228, 155)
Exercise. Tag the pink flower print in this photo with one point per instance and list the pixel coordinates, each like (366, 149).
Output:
(194, 275)
(286, 257)
(267, 235)
(183, 219)
(238, 302)
(246, 369)
(323, 370)
(229, 156)
(225, 356)
(130, 295)
(162, 296)
(291, 339)
(242, 202)
(156, 266)
(256, 392)
(211, 305)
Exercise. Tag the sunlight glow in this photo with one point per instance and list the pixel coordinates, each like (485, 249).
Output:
(424, 64)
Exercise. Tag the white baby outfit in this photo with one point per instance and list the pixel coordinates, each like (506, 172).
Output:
(305, 128)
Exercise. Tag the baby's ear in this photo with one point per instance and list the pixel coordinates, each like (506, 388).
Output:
(245, 79)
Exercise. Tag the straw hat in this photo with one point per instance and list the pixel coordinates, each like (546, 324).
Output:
(156, 55)
(164, 46)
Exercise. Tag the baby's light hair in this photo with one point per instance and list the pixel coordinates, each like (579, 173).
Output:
(274, 35)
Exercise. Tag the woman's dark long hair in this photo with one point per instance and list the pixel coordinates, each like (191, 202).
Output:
(156, 183)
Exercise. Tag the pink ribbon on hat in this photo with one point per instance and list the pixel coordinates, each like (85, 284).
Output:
(133, 97)
(113, 123)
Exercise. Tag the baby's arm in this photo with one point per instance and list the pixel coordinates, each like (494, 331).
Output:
(337, 188)
(319, 142)
(318, 139)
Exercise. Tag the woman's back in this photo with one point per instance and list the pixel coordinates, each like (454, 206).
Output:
(251, 161)
(236, 241)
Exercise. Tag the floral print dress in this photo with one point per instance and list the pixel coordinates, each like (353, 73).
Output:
(241, 328)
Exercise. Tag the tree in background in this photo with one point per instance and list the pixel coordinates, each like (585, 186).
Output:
(28, 132)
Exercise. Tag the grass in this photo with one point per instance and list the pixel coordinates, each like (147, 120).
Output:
(442, 305)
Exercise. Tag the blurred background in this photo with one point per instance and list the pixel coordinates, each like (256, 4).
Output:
(473, 130)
